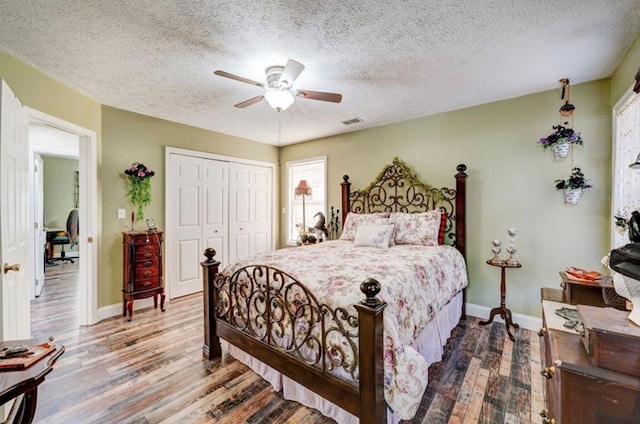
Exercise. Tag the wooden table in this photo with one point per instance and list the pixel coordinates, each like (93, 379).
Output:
(14, 383)
(502, 310)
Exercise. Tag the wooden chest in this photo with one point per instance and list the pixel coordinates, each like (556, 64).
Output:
(611, 339)
(142, 269)
(578, 391)
(578, 292)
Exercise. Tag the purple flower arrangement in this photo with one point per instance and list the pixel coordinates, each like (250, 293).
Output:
(561, 134)
(576, 180)
(139, 171)
(139, 191)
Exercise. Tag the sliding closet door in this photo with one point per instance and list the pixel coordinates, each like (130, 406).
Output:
(199, 213)
(250, 210)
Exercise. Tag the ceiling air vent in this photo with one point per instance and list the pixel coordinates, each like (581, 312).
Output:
(352, 121)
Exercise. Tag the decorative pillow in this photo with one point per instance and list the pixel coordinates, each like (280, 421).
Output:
(443, 224)
(418, 228)
(374, 235)
(355, 220)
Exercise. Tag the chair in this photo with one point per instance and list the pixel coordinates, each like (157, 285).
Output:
(69, 237)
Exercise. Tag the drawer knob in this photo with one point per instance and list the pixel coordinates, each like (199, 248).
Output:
(548, 372)
(148, 263)
(542, 332)
(148, 273)
(148, 255)
(147, 283)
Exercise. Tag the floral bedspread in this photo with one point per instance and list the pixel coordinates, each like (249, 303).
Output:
(416, 282)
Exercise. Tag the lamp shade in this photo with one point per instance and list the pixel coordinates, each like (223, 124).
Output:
(303, 188)
(279, 99)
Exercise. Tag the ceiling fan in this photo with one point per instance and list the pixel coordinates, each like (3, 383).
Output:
(279, 92)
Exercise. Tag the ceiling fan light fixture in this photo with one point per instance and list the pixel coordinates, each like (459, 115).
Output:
(279, 99)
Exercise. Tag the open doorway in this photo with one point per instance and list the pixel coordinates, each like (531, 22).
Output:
(65, 148)
(56, 155)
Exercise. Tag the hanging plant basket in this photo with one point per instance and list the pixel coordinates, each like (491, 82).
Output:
(139, 190)
(573, 187)
(561, 150)
(572, 196)
(560, 140)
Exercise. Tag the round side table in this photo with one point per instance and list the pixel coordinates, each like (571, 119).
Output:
(503, 311)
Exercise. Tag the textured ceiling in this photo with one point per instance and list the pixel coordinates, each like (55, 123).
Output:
(391, 60)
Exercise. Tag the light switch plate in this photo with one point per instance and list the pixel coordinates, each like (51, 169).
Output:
(121, 214)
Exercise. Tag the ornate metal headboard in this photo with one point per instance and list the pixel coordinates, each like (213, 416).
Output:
(398, 189)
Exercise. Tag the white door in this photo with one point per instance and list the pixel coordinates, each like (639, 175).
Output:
(215, 209)
(15, 213)
(199, 218)
(250, 210)
(40, 234)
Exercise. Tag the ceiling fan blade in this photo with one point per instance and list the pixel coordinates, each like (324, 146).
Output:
(237, 78)
(319, 95)
(291, 72)
(249, 102)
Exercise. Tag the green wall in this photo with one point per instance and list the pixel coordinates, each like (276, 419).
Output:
(130, 137)
(510, 176)
(511, 182)
(59, 190)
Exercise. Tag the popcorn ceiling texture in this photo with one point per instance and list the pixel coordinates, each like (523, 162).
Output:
(391, 60)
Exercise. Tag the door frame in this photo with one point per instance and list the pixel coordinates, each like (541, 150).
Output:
(88, 211)
(170, 233)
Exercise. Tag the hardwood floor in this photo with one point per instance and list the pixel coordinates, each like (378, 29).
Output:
(150, 370)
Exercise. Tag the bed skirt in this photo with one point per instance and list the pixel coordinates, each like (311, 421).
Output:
(429, 343)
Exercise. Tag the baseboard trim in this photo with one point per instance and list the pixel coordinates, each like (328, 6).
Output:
(111, 311)
(524, 321)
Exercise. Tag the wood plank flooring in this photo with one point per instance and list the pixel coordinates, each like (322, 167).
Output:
(150, 370)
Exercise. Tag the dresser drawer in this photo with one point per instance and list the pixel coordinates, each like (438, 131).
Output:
(147, 262)
(145, 273)
(146, 254)
(146, 284)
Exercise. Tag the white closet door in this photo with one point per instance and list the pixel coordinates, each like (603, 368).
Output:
(199, 215)
(215, 211)
(250, 210)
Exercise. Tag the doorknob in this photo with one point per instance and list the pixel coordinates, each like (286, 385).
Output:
(90, 240)
(14, 267)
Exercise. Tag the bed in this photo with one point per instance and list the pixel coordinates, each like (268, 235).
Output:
(294, 316)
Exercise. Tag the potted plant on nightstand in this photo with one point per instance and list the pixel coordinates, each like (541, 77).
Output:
(560, 140)
(573, 186)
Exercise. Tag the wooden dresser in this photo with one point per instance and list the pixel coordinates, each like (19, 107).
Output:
(577, 391)
(142, 269)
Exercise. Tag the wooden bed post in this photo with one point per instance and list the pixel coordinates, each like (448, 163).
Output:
(211, 348)
(461, 236)
(372, 406)
(346, 195)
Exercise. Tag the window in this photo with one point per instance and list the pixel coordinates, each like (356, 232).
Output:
(314, 171)
(626, 181)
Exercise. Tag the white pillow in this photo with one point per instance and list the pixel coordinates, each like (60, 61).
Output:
(417, 228)
(355, 220)
(374, 236)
